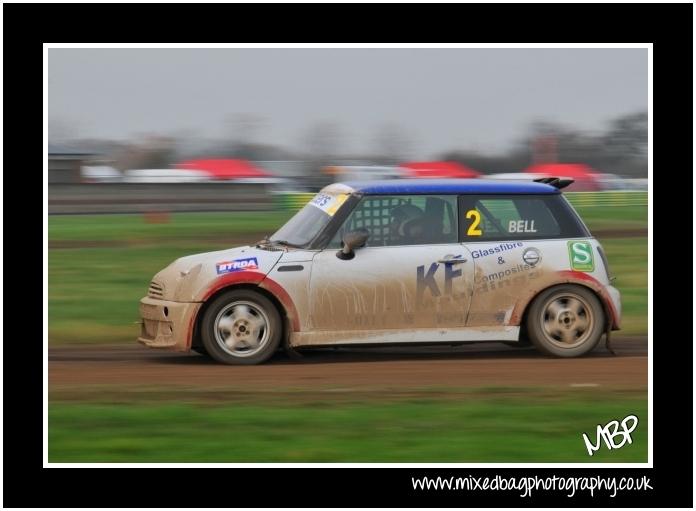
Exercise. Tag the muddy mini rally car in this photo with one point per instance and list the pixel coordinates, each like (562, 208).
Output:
(396, 262)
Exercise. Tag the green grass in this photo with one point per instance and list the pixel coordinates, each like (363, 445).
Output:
(191, 226)
(93, 292)
(615, 218)
(628, 261)
(497, 429)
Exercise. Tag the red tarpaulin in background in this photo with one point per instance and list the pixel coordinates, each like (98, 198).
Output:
(225, 169)
(435, 169)
(586, 179)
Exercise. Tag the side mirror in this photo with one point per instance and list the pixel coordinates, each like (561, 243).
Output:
(351, 241)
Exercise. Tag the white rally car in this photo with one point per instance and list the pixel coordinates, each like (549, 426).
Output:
(396, 262)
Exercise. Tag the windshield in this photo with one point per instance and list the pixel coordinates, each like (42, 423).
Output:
(310, 220)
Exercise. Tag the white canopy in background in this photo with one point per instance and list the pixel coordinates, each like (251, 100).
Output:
(101, 174)
(521, 176)
(165, 176)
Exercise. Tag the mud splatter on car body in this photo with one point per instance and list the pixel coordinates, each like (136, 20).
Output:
(445, 261)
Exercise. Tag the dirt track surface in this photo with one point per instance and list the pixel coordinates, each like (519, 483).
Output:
(474, 365)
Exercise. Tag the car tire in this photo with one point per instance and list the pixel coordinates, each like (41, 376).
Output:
(566, 321)
(241, 327)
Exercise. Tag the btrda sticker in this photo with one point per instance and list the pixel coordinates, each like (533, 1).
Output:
(250, 263)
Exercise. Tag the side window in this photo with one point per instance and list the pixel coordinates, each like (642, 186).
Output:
(490, 217)
(403, 220)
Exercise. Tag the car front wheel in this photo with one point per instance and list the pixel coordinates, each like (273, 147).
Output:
(241, 326)
(566, 321)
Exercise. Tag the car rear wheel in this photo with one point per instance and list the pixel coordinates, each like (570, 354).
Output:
(241, 326)
(566, 321)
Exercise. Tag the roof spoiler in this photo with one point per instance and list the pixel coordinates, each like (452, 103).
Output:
(556, 182)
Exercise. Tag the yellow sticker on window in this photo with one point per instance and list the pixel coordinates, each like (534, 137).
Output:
(329, 203)
(473, 229)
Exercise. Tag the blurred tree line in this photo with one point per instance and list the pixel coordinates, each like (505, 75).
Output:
(620, 149)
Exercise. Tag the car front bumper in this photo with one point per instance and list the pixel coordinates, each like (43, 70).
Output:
(166, 324)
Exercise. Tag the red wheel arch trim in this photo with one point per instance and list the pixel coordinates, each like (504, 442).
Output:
(191, 325)
(572, 277)
(259, 279)
(284, 298)
(579, 275)
(239, 277)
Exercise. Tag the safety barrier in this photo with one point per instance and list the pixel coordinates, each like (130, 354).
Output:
(180, 197)
(608, 198)
(157, 197)
(295, 201)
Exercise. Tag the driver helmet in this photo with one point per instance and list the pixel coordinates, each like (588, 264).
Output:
(404, 217)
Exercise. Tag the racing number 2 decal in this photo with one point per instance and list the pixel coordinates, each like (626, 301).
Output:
(473, 229)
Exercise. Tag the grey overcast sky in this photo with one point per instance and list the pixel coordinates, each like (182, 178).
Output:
(445, 99)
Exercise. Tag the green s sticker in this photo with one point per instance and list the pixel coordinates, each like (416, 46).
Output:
(581, 257)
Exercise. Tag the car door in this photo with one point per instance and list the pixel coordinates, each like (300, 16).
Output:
(515, 242)
(412, 273)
